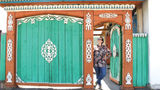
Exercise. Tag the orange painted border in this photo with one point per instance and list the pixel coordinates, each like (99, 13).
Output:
(127, 67)
(11, 66)
(139, 87)
(49, 84)
(114, 80)
(88, 35)
(108, 45)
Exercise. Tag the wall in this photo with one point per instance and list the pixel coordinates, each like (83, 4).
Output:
(3, 20)
(154, 44)
(145, 16)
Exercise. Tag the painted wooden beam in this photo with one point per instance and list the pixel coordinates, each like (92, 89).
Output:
(25, 1)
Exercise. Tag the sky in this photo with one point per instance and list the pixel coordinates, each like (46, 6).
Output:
(3, 20)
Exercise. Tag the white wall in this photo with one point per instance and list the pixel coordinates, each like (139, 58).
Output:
(3, 20)
(145, 16)
(154, 43)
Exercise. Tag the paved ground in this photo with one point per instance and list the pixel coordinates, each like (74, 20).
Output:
(114, 86)
(107, 85)
(111, 84)
(36, 89)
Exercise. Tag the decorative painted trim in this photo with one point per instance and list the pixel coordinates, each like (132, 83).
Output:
(37, 1)
(89, 51)
(18, 79)
(108, 15)
(88, 22)
(117, 78)
(127, 21)
(140, 34)
(9, 49)
(128, 79)
(115, 28)
(128, 50)
(9, 77)
(80, 81)
(88, 80)
(10, 22)
(48, 51)
(71, 7)
(33, 19)
(114, 51)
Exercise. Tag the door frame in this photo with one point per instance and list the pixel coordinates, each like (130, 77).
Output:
(124, 19)
(91, 18)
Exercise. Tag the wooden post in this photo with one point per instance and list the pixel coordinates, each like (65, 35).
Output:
(11, 51)
(108, 44)
(88, 49)
(139, 19)
(127, 63)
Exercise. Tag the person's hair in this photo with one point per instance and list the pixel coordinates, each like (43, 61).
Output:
(102, 40)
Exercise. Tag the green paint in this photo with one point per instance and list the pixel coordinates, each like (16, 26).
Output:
(2, 57)
(140, 61)
(116, 62)
(66, 67)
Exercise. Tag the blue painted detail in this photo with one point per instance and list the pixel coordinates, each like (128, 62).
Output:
(134, 24)
(29, 1)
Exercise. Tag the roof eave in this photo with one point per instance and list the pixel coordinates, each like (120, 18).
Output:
(72, 2)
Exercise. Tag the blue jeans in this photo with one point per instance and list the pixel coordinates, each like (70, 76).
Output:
(100, 73)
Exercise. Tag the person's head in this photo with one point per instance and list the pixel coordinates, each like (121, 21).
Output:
(100, 40)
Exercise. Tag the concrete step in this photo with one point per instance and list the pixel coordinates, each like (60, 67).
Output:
(2, 84)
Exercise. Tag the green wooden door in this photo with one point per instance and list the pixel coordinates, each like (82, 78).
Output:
(140, 60)
(50, 49)
(3, 57)
(115, 60)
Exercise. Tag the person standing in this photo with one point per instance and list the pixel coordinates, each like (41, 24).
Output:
(101, 54)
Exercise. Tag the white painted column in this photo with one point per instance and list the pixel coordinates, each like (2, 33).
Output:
(154, 43)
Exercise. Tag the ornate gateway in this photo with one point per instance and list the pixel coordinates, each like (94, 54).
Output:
(52, 41)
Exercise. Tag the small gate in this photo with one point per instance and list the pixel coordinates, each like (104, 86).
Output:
(116, 58)
(140, 59)
(50, 49)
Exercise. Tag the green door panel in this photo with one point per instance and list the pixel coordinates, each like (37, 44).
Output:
(3, 57)
(140, 61)
(66, 34)
(115, 60)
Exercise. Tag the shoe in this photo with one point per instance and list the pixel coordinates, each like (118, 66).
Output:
(96, 85)
(100, 87)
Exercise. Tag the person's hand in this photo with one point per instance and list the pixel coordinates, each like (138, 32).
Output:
(95, 47)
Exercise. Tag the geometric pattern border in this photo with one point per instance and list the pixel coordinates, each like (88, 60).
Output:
(128, 50)
(71, 7)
